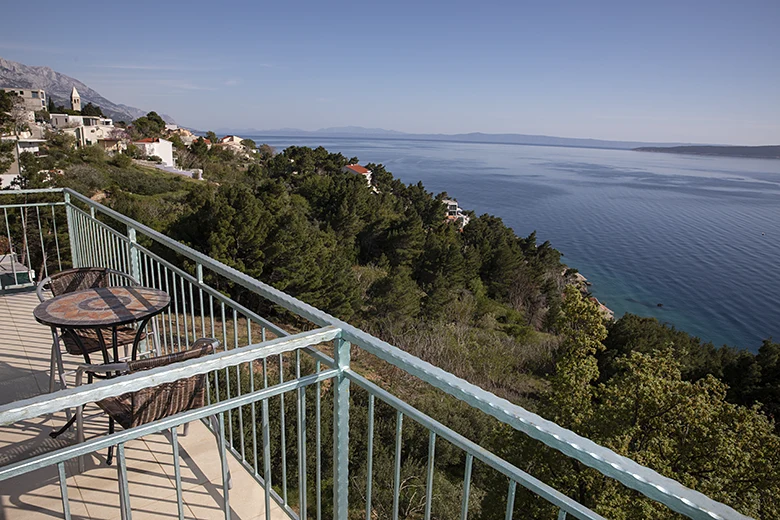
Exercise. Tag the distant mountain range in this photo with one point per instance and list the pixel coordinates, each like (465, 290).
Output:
(756, 152)
(58, 86)
(475, 137)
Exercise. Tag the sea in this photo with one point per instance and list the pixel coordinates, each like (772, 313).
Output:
(693, 241)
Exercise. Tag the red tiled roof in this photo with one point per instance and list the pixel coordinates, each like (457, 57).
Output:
(148, 140)
(357, 168)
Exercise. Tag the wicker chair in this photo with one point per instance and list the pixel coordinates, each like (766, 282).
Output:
(150, 404)
(78, 280)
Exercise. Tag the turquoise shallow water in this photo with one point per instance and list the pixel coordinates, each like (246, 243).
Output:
(700, 235)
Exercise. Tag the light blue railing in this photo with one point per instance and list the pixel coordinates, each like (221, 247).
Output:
(255, 348)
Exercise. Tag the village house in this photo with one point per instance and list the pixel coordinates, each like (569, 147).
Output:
(86, 129)
(360, 170)
(21, 145)
(455, 213)
(155, 146)
(34, 99)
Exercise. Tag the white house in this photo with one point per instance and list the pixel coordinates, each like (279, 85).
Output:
(356, 168)
(157, 146)
(86, 129)
(455, 214)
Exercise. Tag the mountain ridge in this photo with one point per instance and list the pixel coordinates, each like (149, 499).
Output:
(58, 87)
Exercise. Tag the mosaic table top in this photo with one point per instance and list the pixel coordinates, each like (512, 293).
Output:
(102, 307)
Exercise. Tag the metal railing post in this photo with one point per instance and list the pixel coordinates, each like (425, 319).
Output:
(341, 432)
(135, 257)
(75, 258)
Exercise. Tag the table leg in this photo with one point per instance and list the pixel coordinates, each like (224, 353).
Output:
(138, 333)
(114, 345)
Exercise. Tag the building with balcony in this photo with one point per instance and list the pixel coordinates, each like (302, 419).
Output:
(455, 213)
(284, 402)
(87, 130)
(34, 99)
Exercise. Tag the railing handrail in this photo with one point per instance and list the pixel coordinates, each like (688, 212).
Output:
(98, 443)
(633, 475)
(64, 399)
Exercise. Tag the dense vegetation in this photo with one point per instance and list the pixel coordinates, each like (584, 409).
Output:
(493, 308)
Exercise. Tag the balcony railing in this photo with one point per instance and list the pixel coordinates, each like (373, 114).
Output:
(265, 380)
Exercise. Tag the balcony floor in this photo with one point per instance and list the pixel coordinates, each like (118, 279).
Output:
(24, 372)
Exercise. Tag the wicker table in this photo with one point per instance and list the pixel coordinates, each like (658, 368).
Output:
(104, 308)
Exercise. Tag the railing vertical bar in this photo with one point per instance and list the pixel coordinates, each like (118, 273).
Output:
(211, 315)
(318, 445)
(464, 508)
(301, 440)
(104, 237)
(370, 455)
(70, 222)
(429, 479)
(213, 335)
(170, 318)
(146, 261)
(112, 247)
(26, 240)
(227, 373)
(64, 491)
(199, 273)
(44, 256)
(164, 331)
(510, 500)
(240, 410)
(561, 514)
(193, 315)
(125, 490)
(56, 238)
(91, 253)
(98, 243)
(184, 312)
(224, 464)
(342, 352)
(399, 420)
(176, 309)
(120, 253)
(74, 233)
(11, 246)
(85, 254)
(85, 258)
(266, 458)
(283, 432)
(177, 471)
(254, 404)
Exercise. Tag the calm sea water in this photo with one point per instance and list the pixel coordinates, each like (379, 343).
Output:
(699, 235)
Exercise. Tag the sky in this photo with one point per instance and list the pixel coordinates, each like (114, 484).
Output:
(681, 71)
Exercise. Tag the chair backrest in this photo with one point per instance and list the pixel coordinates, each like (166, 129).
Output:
(150, 404)
(83, 278)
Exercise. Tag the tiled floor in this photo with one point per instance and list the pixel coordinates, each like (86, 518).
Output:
(24, 372)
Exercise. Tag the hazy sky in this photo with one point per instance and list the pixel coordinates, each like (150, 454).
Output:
(706, 71)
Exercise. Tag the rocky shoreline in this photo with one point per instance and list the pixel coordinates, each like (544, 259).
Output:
(583, 284)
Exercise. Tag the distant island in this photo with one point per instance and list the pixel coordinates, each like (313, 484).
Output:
(756, 152)
(359, 132)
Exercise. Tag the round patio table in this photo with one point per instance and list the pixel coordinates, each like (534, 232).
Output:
(104, 308)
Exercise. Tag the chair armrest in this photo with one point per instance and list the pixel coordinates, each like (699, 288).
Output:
(99, 369)
(41, 287)
(126, 276)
